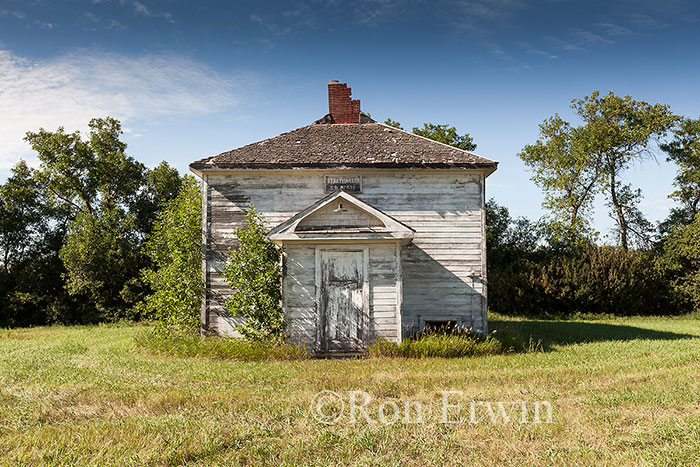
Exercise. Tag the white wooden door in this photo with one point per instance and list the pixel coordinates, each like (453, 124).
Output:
(342, 309)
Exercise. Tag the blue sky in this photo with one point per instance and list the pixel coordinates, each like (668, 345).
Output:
(191, 79)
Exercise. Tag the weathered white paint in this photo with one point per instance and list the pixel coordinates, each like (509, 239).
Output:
(303, 290)
(337, 217)
(443, 270)
(342, 299)
(206, 232)
(351, 217)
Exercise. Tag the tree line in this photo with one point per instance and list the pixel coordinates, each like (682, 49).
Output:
(93, 235)
(556, 265)
(74, 232)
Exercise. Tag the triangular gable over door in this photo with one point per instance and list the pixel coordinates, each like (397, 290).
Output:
(341, 216)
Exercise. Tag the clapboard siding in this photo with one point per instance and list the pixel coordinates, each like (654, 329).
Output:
(443, 269)
(299, 295)
(352, 217)
(384, 300)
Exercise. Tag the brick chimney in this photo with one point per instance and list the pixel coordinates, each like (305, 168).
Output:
(341, 107)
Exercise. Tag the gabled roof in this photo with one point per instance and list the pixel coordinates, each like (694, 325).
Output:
(322, 145)
(386, 226)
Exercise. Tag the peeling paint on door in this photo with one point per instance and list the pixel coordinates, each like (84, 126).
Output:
(343, 325)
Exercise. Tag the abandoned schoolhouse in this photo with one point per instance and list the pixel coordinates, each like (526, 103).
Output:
(383, 231)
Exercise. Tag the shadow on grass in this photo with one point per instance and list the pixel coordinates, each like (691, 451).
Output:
(550, 333)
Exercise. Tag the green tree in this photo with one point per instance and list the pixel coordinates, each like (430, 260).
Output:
(87, 174)
(618, 130)
(510, 243)
(253, 274)
(446, 134)
(23, 216)
(111, 201)
(498, 222)
(567, 174)
(161, 185)
(530, 274)
(174, 247)
(101, 256)
(684, 150)
(572, 164)
(442, 133)
(393, 123)
(682, 258)
(32, 232)
(97, 183)
(677, 218)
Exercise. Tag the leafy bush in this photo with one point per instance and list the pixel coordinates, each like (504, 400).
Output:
(221, 348)
(531, 273)
(254, 276)
(593, 279)
(453, 344)
(174, 247)
(682, 258)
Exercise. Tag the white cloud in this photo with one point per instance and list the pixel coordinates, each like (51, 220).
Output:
(71, 89)
(535, 51)
(143, 10)
(587, 37)
(116, 25)
(16, 13)
(613, 29)
(564, 45)
(644, 21)
(91, 17)
(474, 11)
(374, 12)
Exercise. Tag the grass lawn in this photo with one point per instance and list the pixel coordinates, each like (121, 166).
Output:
(623, 391)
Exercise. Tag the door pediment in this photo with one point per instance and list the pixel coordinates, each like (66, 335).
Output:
(341, 216)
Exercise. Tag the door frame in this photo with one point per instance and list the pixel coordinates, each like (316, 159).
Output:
(365, 287)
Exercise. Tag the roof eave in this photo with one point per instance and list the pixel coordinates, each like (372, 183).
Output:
(490, 167)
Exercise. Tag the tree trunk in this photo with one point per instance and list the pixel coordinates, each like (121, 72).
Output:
(621, 221)
(572, 226)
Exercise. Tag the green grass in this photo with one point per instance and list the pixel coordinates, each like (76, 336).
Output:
(191, 345)
(624, 391)
(452, 343)
(455, 343)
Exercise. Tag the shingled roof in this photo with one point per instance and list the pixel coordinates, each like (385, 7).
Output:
(322, 145)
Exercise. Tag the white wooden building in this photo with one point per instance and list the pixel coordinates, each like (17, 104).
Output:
(383, 231)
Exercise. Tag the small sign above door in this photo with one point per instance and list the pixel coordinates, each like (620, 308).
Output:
(349, 184)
